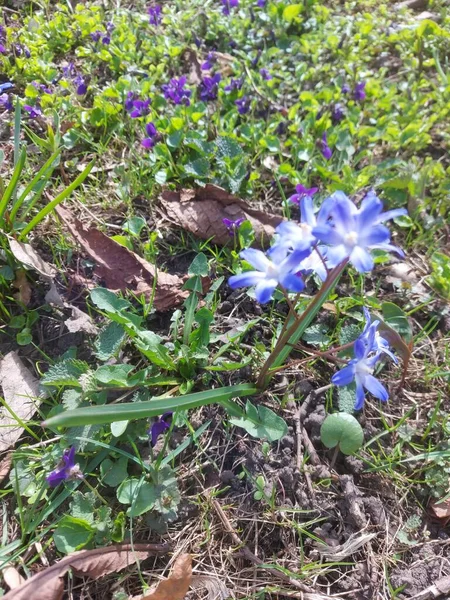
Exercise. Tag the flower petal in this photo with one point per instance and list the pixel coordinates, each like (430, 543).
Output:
(327, 234)
(361, 259)
(246, 279)
(265, 289)
(376, 388)
(344, 376)
(292, 282)
(307, 210)
(360, 396)
(256, 258)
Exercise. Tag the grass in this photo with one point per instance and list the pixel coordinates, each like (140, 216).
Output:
(283, 496)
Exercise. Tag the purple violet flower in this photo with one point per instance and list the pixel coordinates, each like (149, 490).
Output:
(280, 268)
(33, 111)
(176, 92)
(261, 3)
(141, 108)
(110, 26)
(96, 35)
(337, 113)
(209, 62)
(360, 369)
(65, 470)
(106, 40)
(155, 13)
(352, 232)
(345, 89)
(233, 226)
(235, 84)
(80, 85)
(265, 74)
(228, 5)
(153, 136)
(130, 98)
(243, 105)
(6, 103)
(209, 87)
(3, 49)
(359, 93)
(327, 152)
(160, 426)
(302, 192)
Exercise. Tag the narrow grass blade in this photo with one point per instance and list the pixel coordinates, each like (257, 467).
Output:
(60, 198)
(128, 411)
(13, 183)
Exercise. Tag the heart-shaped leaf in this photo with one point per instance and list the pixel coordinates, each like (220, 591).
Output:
(342, 429)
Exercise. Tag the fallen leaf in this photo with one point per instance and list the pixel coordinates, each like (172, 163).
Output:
(80, 321)
(119, 269)
(12, 577)
(49, 583)
(26, 255)
(22, 284)
(193, 67)
(5, 466)
(176, 586)
(441, 509)
(21, 395)
(201, 212)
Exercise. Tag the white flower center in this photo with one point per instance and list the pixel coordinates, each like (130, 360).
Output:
(272, 271)
(362, 368)
(351, 239)
(306, 229)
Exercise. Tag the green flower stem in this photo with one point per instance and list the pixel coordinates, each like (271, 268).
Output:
(296, 327)
(96, 492)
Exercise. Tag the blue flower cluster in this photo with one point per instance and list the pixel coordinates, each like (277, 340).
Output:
(340, 231)
(368, 349)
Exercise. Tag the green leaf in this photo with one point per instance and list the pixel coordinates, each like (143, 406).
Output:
(198, 167)
(114, 472)
(261, 422)
(113, 374)
(82, 506)
(291, 12)
(109, 341)
(199, 266)
(66, 372)
(127, 490)
(150, 345)
(72, 534)
(397, 319)
(227, 148)
(316, 335)
(118, 428)
(347, 398)
(342, 429)
(144, 501)
(134, 225)
(108, 301)
(129, 411)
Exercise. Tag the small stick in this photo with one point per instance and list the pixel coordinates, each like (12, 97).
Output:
(298, 427)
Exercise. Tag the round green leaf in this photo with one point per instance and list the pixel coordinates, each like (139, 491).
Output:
(342, 429)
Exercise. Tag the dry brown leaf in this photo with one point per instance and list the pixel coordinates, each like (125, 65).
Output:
(12, 577)
(22, 284)
(49, 583)
(80, 321)
(26, 255)
(119, 269)
(176, 586)
(21, 394)
(215, 587)
(5, 466)
(201, 212)
(192, 66)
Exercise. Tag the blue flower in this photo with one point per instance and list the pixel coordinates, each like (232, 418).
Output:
(280, 269)
(360, 369)
(209, 87)
(352, 232)
(243, 105)
(261, 3)
(66, 470)
(153, 136)
(209, 62)
(141, 108)
(155, 13)
(175, 91)
(379, 344)
(33, 111)
(327, 152)
(359, 93)
(80, 84)
(160, 425)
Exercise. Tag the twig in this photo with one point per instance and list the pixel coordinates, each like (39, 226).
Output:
(308, 593)
(298, 427)
(441, 587)
(309, 447)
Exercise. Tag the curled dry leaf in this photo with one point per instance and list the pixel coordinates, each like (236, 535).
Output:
(21, 394)
(12, 577)
(176, 586)
(202, 211)
(440, 509)
(192, 66)
(5, 466)
(49, 583)
(215, 587)
(119, 269)
(26, 255)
